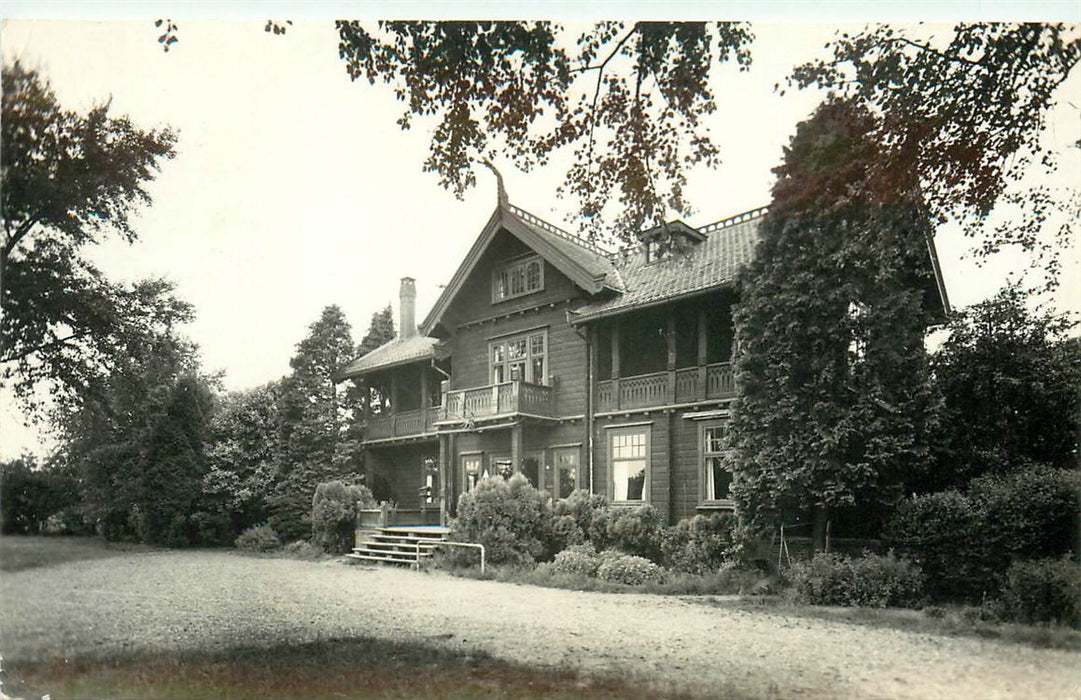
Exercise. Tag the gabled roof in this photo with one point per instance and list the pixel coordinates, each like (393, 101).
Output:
(586, 264)
(726, 247)
(399, 351)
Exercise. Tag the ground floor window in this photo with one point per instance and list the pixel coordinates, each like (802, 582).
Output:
(628, 459)
(716, 479)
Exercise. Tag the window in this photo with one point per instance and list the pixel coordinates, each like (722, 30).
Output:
(473, 471)
(716, 479)
(517, 279)
(522, 357)
(628, 458)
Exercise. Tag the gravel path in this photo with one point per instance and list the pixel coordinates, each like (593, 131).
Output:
(188, 600)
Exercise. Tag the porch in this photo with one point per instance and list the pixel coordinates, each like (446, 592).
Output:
(671, 387)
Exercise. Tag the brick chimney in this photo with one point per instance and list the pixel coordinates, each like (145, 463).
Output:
(407, 308)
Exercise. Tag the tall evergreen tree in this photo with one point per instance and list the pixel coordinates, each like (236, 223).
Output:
(315, 417)
(833, 401)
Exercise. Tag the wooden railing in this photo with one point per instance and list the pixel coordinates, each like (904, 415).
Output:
(714, 381)
(497, 400)
(402, 424)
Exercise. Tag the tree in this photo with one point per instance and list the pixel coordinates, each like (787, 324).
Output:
(314, 422)
(833, 399)
(380, 331)
(1009, 378)
(30, 493)
(66, 181)
(965, 113)
(244, 451)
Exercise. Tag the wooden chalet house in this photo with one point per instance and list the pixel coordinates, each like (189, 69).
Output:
(577, 367)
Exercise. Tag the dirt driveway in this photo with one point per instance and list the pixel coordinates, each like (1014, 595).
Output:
(188, 600)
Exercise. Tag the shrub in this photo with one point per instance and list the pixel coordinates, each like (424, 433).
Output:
(259, 538)
(636, 531)
(573, 517)
(302, 549)
(509, 517)
(1046, 590)
(700, 544)
(1031, 512)
(630, 570)
(580, 559)
(944, 533)
(334, 514)
(965, 542)
(872, 581)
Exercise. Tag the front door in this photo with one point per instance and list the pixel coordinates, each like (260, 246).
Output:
(566, 461)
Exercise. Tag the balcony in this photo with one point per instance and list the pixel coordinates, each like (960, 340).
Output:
(401, 425)
(680, 386)
(506, 399)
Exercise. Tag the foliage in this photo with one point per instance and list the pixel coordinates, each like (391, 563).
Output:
(630, 570)
(962, 113)
(243, 448)
(66, 181)
(259, 538)
(573, 516)
(315, 445)
(334, 514)
(30, 493)
(833, 400)
(700, 544)
(509, 517)
(630, 100)
(380, 331)
(1045, 590)
(1009, 379)
(965, 542)
(302, 549)
(636, 531)
(943, 533)
(871, 581)
(578, 559)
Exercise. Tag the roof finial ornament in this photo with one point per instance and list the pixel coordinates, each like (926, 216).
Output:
(501, 193)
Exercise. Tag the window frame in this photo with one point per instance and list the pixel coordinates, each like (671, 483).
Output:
(508, 269)
(469, 457)
(613, 431)
(704, 456)
(526, 337)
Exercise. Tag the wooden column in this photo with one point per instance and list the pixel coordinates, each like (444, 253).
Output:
(703, 354)
(615, 362)
(393, 392)
(516, 447)
(423, 388)
(445, 464)
(670, 340)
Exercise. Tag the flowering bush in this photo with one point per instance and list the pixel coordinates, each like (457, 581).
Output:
(581, 559)
(630, 570)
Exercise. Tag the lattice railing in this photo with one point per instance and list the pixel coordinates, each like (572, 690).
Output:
(686, 384)
(720, 380)
(643, 390)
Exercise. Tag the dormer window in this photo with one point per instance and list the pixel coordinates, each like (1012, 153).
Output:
(518, 278)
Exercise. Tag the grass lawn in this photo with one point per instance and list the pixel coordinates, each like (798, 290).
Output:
(19, 552)
(333, 668)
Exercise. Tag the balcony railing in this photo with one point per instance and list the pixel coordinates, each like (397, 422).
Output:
(404, 424)
(498, 400)
(714, 381)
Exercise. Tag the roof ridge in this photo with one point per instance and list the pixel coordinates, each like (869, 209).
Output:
(730, 221)
(552, 228)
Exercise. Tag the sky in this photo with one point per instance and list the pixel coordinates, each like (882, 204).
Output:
(293, 188)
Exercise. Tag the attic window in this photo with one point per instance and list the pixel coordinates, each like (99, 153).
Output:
(517, 279)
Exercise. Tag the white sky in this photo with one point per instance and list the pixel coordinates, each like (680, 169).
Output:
(293, 188)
